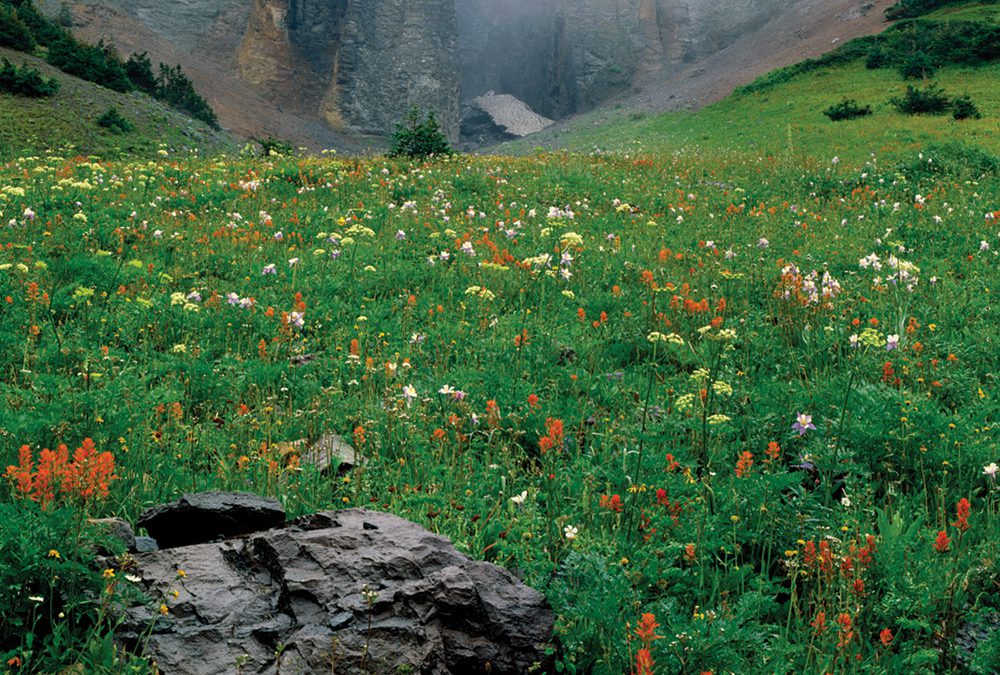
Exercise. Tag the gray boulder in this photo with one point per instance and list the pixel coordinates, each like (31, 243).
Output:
(207, 516)
(348, 591)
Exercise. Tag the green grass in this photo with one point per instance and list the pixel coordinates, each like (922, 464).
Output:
(787, 121)
(594, 370)
(67, 122)
(980, 12)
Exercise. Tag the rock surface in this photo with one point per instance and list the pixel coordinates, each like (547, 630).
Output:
(360, 64)
(207, 516)
(338, 590)
(330, 73)
(118, 528)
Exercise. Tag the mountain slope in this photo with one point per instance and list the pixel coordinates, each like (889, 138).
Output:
(784, 119)
(680, 80)
(67, 122)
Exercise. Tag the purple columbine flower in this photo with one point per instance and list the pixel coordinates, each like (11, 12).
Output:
(194, 296)
(279, 235)
(891, 342)
(269, 269)
(803, 423)
(400, 235)
(232, 298)
(296, 319)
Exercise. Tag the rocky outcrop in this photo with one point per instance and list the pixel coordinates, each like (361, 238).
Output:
(356, 66)
(564, 56)
(348, 591)
(359, 64)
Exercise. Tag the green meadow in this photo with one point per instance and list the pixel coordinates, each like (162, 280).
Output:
(722, 385)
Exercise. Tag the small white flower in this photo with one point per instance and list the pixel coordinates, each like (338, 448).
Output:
(570, 532)
(991, 470)
(519, 499)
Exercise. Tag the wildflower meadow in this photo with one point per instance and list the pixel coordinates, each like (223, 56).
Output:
(729, 413)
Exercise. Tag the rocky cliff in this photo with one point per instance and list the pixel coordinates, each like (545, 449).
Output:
(356, 66)
(564, 56)
(359, 64)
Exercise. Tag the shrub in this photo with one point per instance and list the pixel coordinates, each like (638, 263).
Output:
(13, 33)
(139, 71)
(930, 100)
(917, 66)
(906, 9)
(955, 158)
(94, 63)
(275, 146)
(848, 109)
(964, 108)
(414, 138)
(877, 58)
(25, 81)
(114, 122)
(44, 31)
(174, 87)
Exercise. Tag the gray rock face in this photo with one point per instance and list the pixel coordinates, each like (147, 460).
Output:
(207, 516)
(564, 56)
(396, 54)
(348, 591)
(360, 64)
(118, 528)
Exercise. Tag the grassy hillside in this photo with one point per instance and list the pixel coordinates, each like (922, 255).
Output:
(781, 115)
(67, 122)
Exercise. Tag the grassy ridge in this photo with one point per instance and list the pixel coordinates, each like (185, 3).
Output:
(781, 114)
(67, 122)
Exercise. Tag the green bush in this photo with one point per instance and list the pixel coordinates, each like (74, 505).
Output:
(13, 33)
(174, 87)
(917, 66)
(848, 109)
(95, 63)
(955, 158)
(927, 100)
(25, 81)
(114, 122)
(964, 108)
(49, 586)
(276, 146)
(414, 138)
(906, 9)
(139, 71)
(44, 31)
